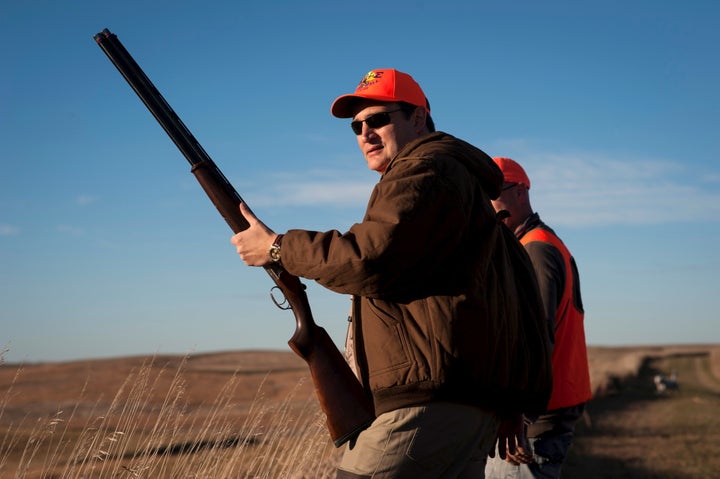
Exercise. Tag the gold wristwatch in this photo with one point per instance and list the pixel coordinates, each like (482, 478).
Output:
(275, 249)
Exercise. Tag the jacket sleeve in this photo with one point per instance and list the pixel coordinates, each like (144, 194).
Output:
(415, 219)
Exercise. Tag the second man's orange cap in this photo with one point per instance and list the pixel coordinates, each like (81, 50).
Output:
(513, 172)
(384, 84)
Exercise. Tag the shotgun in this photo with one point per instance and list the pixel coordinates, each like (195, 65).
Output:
(347, 407)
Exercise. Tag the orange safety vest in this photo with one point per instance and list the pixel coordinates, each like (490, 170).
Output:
(571, 374)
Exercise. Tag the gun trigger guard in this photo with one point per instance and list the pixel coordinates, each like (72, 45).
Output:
(280, 304)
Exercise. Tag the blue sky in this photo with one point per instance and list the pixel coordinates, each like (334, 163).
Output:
(109, 247)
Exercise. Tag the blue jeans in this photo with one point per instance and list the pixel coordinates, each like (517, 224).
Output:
(549, 444)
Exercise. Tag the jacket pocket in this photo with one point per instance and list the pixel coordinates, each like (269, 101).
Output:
(386, 344)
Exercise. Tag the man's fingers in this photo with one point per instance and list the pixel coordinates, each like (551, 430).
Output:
(521, 456)
(512, 445)
(502, 448)
(247, 212)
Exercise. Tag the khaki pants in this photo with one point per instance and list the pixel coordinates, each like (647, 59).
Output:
(433, 441)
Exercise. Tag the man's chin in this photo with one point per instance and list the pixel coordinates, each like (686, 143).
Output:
(376, 163)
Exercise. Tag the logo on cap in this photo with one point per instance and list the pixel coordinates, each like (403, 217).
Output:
(369, 78)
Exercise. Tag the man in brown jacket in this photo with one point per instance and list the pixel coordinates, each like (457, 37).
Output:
(434, 315)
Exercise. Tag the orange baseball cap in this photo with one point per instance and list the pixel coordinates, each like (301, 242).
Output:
(384, 84)
(512, 171)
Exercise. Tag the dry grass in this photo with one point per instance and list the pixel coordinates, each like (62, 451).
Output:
(191, 417)
(253, 414)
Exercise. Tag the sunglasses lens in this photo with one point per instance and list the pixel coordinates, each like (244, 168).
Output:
(378, 120)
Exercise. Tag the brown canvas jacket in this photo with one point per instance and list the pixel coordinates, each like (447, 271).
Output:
(432, 316)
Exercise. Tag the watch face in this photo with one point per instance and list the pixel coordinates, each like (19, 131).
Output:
(275, 252)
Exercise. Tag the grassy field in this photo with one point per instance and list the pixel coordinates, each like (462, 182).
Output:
(253, 414)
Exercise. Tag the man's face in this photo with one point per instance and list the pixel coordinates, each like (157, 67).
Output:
(506, 199)
(512, 199)
(379, 145)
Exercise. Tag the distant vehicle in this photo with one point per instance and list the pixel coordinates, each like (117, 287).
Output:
(666, 383)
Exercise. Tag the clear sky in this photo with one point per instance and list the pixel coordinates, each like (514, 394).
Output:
(109, 247)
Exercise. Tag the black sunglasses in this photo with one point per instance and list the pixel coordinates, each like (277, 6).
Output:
(377, 120)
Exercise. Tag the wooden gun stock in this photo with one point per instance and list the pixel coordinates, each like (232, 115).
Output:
(347, 407)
